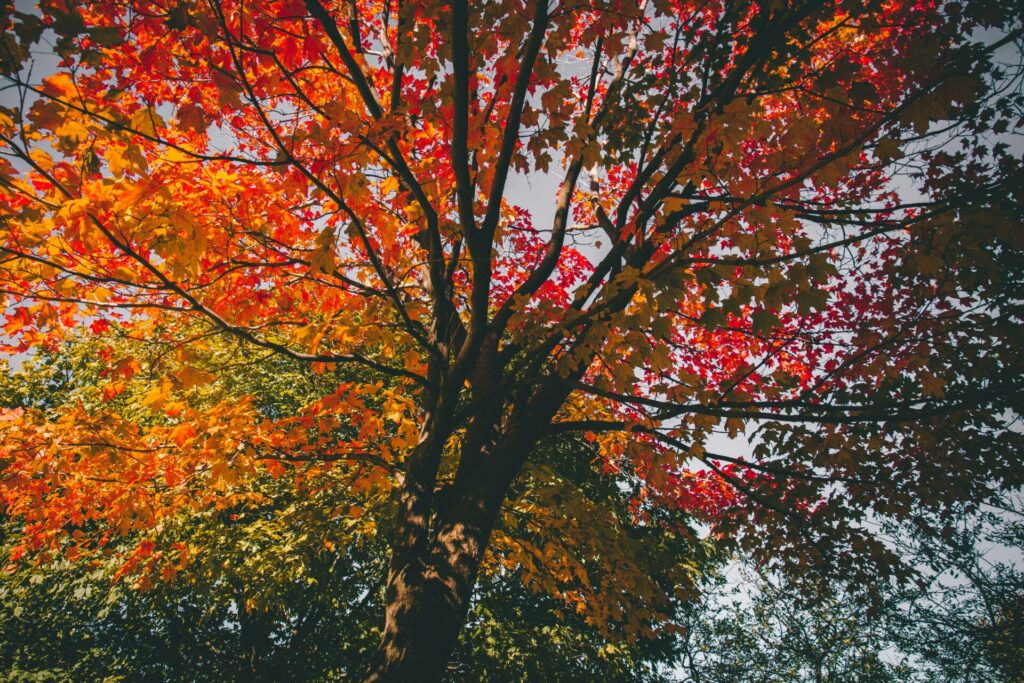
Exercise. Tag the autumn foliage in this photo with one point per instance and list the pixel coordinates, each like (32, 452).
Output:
(779, 286)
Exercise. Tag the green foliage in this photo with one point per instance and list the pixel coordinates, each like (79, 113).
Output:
(261, 601)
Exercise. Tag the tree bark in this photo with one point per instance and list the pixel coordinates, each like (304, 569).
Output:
(439, 545)
(426, 602)
(429, 591)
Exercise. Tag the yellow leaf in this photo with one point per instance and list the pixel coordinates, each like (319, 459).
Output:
(146, 121)
(42, 158)
(156, 396)
(389, 185)
(120, 159)
(190, 377)
(73, 131)
(321, 260)
(59, 84)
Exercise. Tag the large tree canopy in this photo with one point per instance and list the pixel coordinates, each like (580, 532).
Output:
(794, 222)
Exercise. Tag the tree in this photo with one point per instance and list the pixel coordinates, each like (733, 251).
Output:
(767, 630)
(964, 623)
(734, 245)
(278, 588)
(959, 621)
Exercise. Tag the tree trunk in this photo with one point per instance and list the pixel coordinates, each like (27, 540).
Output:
(426, 604)
(430, 583)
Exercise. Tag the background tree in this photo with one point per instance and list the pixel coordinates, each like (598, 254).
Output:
(964, 622)
(957, 622)
(760, 628)
(732, 246)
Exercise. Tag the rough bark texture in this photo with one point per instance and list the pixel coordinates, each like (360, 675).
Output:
(436, 558)
(426, 603)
